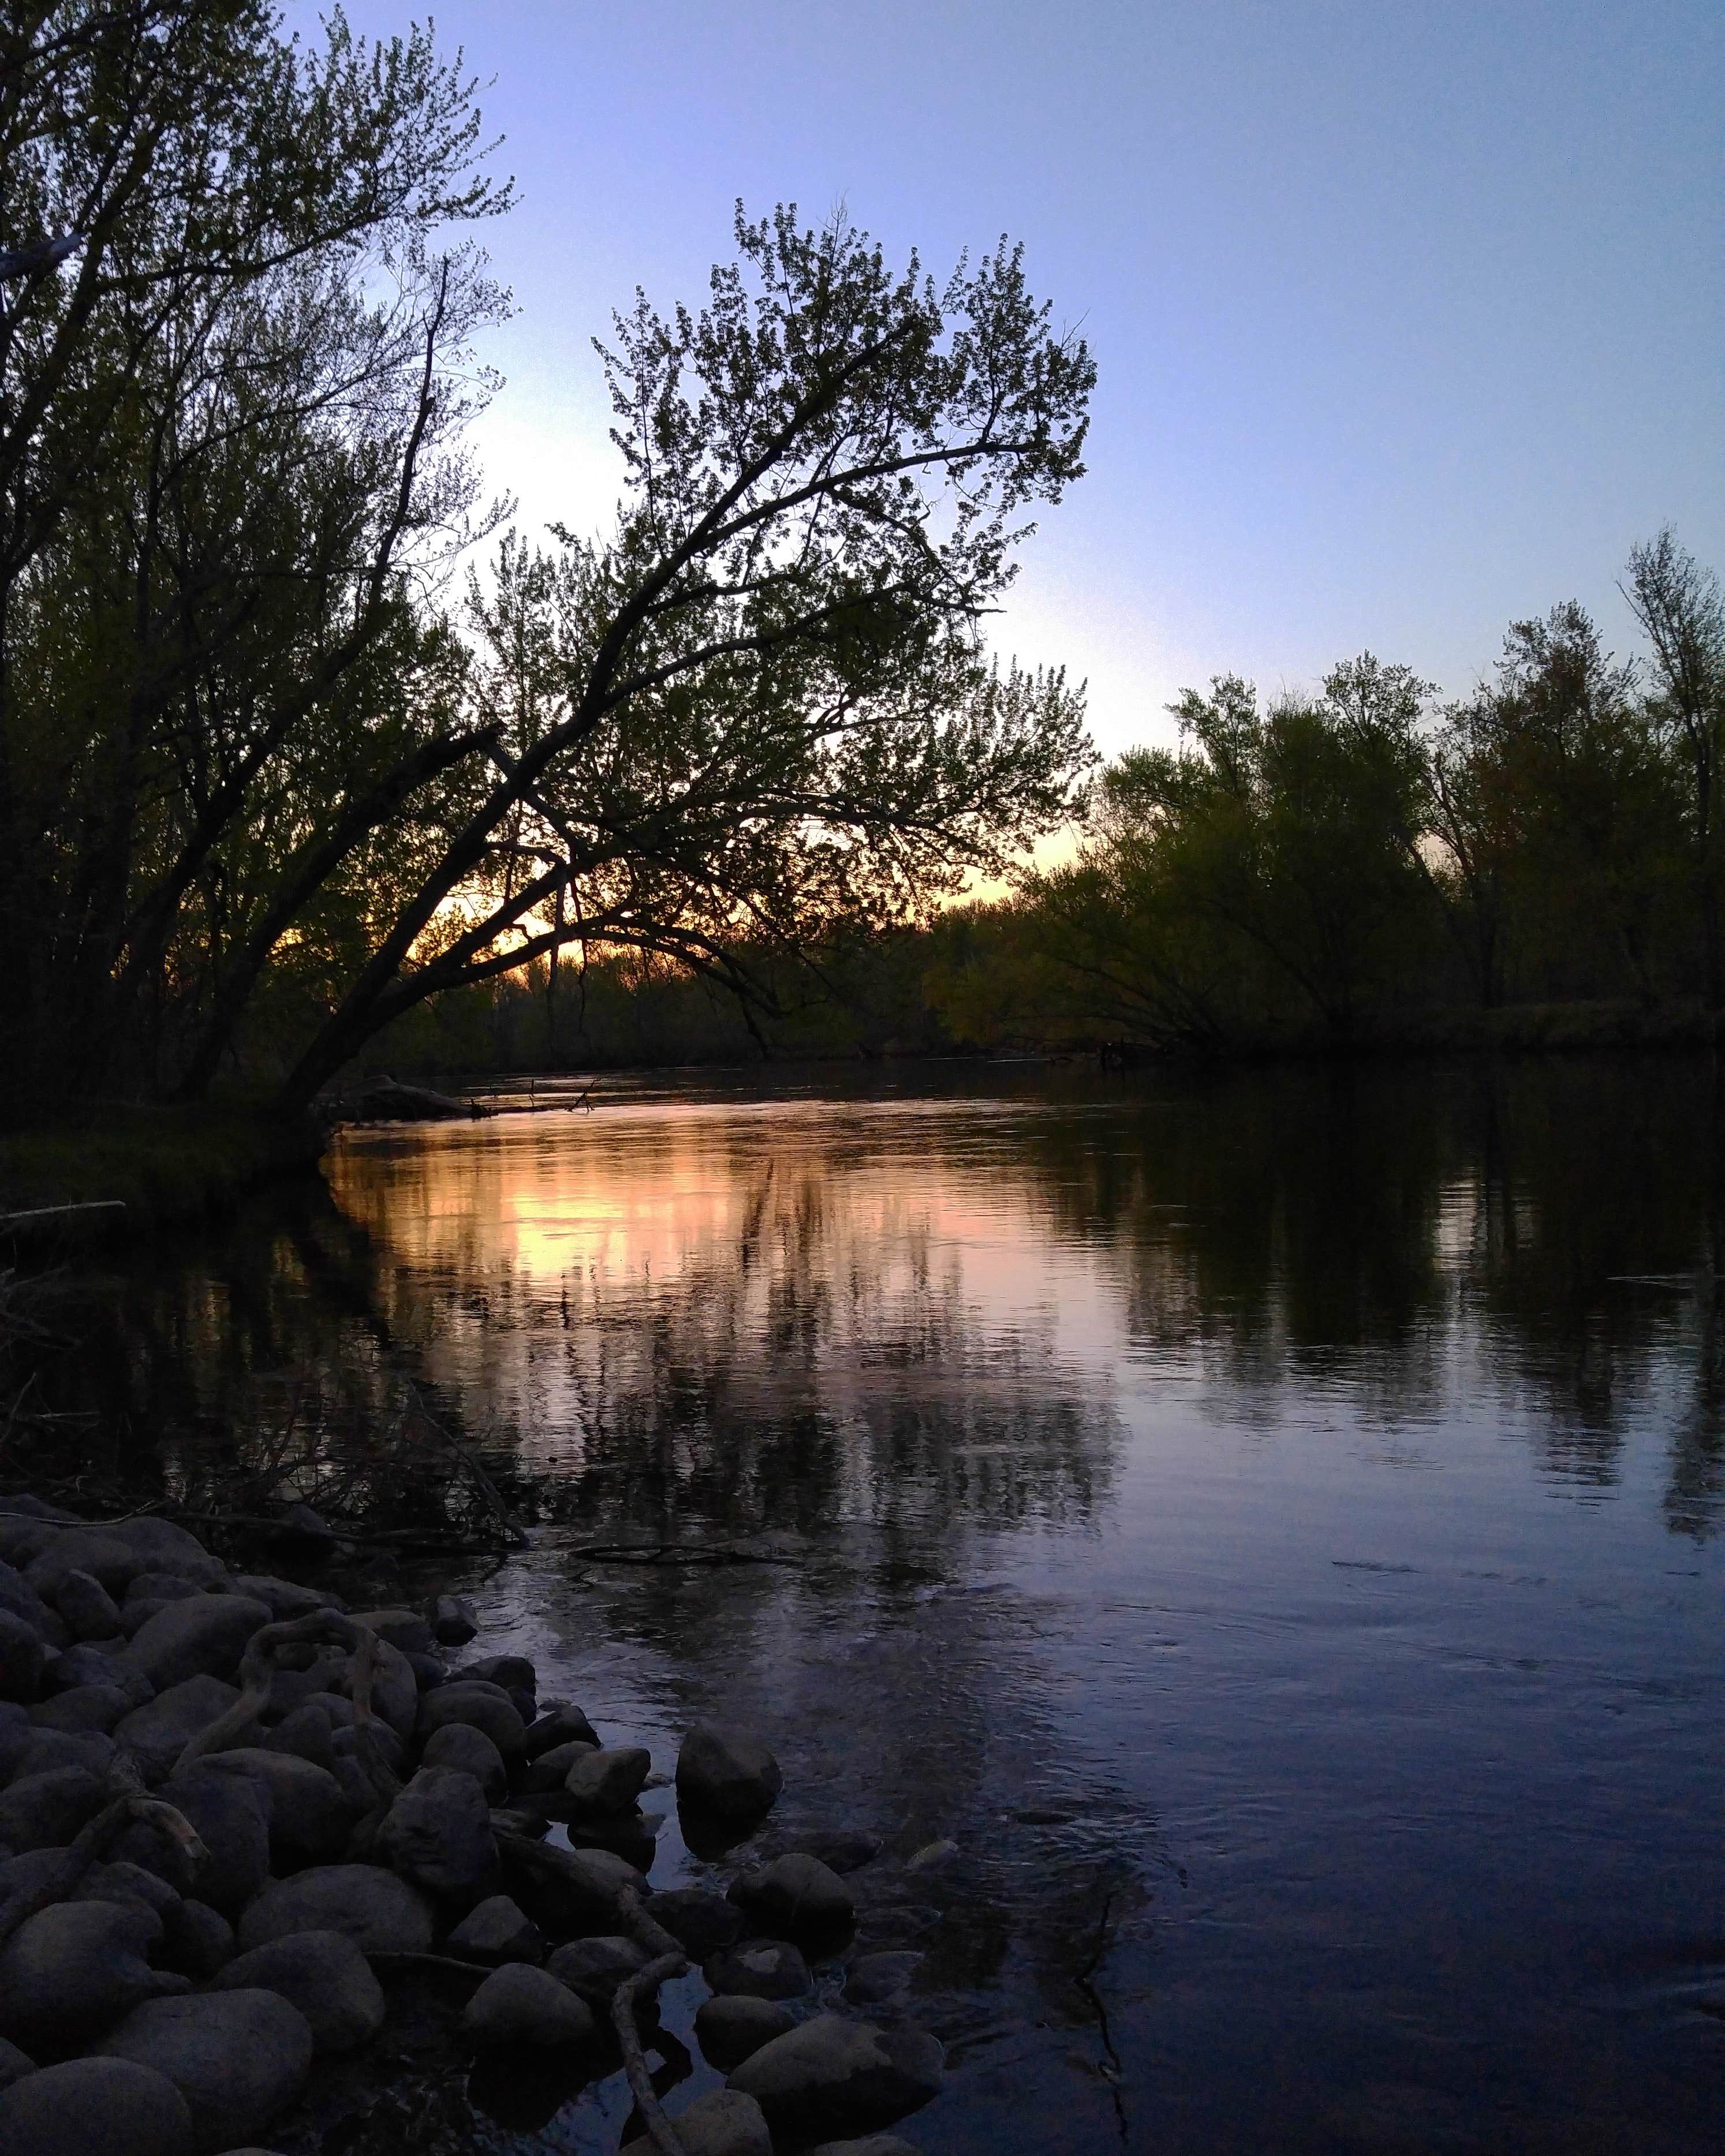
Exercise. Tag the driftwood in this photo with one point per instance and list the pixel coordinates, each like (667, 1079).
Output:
(674, 1553)
(668, 1963)
(129, 1807)
(87, 1212)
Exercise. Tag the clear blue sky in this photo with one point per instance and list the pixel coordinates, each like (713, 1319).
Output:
(1409, 318)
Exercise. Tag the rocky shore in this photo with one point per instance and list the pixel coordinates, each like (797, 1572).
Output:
(244, 1828)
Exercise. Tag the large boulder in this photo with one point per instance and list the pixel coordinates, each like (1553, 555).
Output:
(728, 1772)
(307, 1734)
(95, 2107)
(722, 2123)
(831, 2077)
(71, 1971)
(797, 1896)
(195, 1939)
(163, 1547)
(561, 1725)
(97, 1706)
(44, 1811)
(204, 1636)
(570, 1890)
(379, 1913)
(86, 1607)
(518, 2004)
(550, 1770)
(497, 1930)
(87, 1664)
(239, 2058)
(47, 1750)
(97, 1551)
(438, 1832)
(14, 2064)
(323, 1973)
(405, 1628)
(286, 1598)
(699, 1920)
(606, 1781)
(21, 1598)
(759, 1969)
(459, 1745)
(310, 1817)
(229, 1812)
(156, 1734)
(732, 2027)
(595, 1967)
(484, 1706)
(395, 1689)
(22, 1654)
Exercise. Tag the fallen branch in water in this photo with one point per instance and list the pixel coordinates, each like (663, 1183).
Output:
(668, 1963)
(674, 1552)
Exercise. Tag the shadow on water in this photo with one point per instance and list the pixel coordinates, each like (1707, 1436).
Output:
(1267, 1523)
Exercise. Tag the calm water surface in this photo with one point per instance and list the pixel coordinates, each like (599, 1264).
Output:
(1269, 1526)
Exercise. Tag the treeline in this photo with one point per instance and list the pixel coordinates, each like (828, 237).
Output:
(1365, 866)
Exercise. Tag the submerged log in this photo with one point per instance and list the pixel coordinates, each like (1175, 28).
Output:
(389, 1101)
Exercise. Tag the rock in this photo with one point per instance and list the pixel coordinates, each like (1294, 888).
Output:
(550, 1770)
(459, 1745)
(156, 1735)
(733, 2027)
(428, 1672)
(21, 1598)
(204, 1637)
(405, 1628)
(760, 1968)
(722, 2123)
(481, 1707)
(564, 1725)
(95, 1550)
(22, 1655)
(100, 1707)
(229, 1810)
(307, 1734)
(163, 1547)
(163, 1587)
(438, 1832)
(122, 1881)
(395, 1690)
(796, 1894)
(135, 1615)
(44, 1811)
(379, 1913)
(88, 1665)
(846, 1849)
(195, 1939)
(286, 1598)
(520, 2004)
(453, 1623)
(497, 1931)
(875, 1977)
(569, 1891)
(14, 2064)
(324, 1975)
(512, 1673)
(595, 1967)
(932, 1856)
(239, 2058)
(310, 1817)
(95, 2107)
(729, 1772)
(871, 2144)
(71, 1971)
(606, 1781)
(699, 1920)
(86, 1606)
(46, 1750)
(833, 2077)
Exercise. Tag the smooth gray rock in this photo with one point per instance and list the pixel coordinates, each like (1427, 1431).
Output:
(759, 1969)
(481, 1707)
(831, 2077)
(379, 1913)
(14, 2064)
(324, 1974)
(595, 1967)
(239, 2058)
(44, 1811)
(100, 1707)
(722, 2123)
(699, 1920)
(395, 1689)
(733, 2027)
(438, 1832)
(21, 1656)
(453, 1622)
(229, 1811)
(307, 1734)
(310, 1817)
(87, 1664)
(95, 2107)
(95, 1550)
(163, 1587)
(87, 1607)
(203, 1637)
(405, 1628)
(69, 1973)
(512, 1673)
(195, 1939)
(459, 1745)
(579, 1896)
(728, 1771)
(606, 1781)
(875, 1977)
(47, 1750)
(497, 1931)
(797, 1896)
(561, 1725)
(122, 1881)
(156, 1735)
(550, 1770)
(518, 2004)
(286, 1598)
(21, 1598)
(162, 1546)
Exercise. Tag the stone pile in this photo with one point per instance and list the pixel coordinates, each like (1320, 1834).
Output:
(232, 1812)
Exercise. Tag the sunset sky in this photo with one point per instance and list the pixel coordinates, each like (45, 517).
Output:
(1409, 320)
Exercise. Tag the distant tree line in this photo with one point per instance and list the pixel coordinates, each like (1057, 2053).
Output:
(279, 763)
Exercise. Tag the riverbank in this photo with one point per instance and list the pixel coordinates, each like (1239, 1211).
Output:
(162, 1167)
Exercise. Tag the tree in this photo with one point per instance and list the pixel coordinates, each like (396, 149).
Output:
(762, 705)
(1680, 606)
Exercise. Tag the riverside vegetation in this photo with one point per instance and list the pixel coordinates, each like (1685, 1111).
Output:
(247, 1830)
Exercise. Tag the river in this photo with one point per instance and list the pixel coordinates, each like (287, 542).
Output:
(1270, 1524)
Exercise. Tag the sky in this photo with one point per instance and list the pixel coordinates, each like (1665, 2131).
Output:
(1409, 321)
